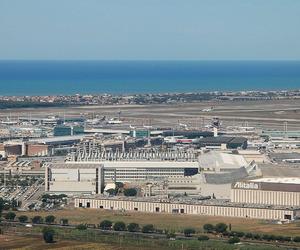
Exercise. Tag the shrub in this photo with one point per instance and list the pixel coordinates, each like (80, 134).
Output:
(221, 227)
(239, 234)
(10, 216)
(133, 227)
(64, 221)
(130, 192)
(257, 237)
(48, 235)
(81, 227)
(203, 237)
(105, 225)
(149, 228)
(234, 240)
(296, 239)
(23, 218)
(209, 228)
(249, 235)
(119, 226)
(188, 231)
(50, 219)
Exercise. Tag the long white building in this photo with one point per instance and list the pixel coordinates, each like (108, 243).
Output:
(188, 207)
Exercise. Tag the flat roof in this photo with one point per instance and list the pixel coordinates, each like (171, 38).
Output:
(70, 165)
(285, 180)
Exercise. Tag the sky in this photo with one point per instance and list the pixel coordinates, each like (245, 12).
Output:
(150, 29)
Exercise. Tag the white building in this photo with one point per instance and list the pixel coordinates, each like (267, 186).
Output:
(268, 191)
(74, 178)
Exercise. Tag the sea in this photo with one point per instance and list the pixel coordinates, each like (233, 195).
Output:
(130, 77)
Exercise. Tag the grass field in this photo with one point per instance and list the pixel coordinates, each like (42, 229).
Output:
(169, 221)
(36, 243)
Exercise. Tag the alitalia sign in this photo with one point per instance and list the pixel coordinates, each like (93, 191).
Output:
(246, 185)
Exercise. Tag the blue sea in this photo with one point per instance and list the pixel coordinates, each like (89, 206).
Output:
(88, 77)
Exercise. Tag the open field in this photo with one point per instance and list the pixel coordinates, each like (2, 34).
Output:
(262, 114)
(168, 221)
(37, 243)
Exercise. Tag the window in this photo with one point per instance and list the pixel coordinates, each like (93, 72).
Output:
(101, 206)
(88, 204)
(182, 211)
(80, 204)
(287, 217)
(135, 209)
(157, 209)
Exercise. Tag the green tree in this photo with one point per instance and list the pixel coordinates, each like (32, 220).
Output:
(296, 239)
(208, 228)
(50, 219)
(119, 226)
(130, 192)
(133, 227)
(10, 216)
(234, 240)
(203, 237)
(189, 231)
(81, 227)
(221, 227)
(105, 225)
(48, 234)
(111, 191)
(149, 228)
(64, 221)
(37, 219)
(23, 218)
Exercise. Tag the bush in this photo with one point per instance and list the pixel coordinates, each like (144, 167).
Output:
(23, 218)
(81, 227)
(221, 227)
(10, 216)
(133, 227)
(64, 221)
(203, 237)
(149, 228)
(296, 239)
(249, 235)
(50, 219)
(119, 226)
(188, 231)
(130, 192)
(256, 236)
(111, 191)
(208, 228)
(234, 240)
(48, 235)
(239, 234)
(37, 219)
(105, 225)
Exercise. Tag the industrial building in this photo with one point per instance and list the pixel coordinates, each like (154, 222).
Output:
(74, 178)
(193, 207)
(63, 130)
(268, 191)
(223, 142)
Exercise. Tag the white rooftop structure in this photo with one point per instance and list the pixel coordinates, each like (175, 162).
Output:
(285, 180)
(218, 161)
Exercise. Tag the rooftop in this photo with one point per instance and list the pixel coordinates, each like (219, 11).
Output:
(286, 180)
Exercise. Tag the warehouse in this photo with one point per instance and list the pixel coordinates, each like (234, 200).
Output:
(195, 207)
(74, 178)
(268, 191)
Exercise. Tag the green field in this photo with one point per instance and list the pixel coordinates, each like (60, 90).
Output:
(168, 221)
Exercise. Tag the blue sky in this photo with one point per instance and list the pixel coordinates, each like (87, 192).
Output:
(150, 29)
